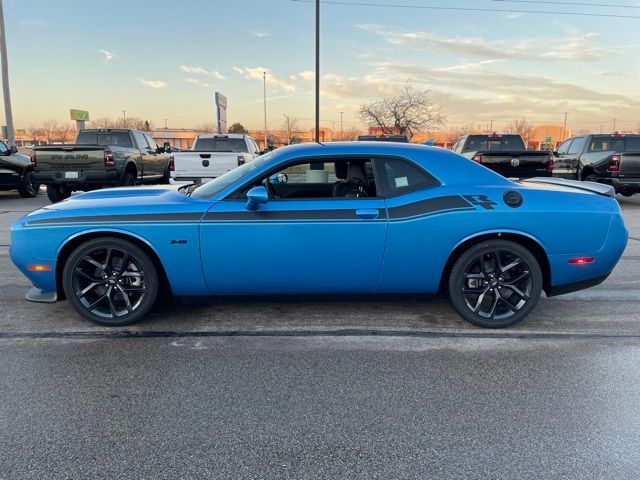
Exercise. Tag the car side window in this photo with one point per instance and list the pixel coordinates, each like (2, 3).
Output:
(140, 140)
(3, 148)
(397, 176)
(564, 147)
(577, 145)
(152, 143)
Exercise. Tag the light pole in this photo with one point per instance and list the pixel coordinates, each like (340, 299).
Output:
(614, 124)
(165, 123)
(124, 118)
(564, 128)
(5, 81)
(264, 92)
(318, 71)
(288, 130)
(341, 128)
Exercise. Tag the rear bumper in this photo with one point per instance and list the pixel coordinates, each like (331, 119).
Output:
(627, 183)
(84, 177)
(575, 286)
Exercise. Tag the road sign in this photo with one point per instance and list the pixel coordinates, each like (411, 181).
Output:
(221, 111)
(79, 115)
(547, 139)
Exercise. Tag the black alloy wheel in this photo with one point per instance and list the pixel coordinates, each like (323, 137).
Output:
(110, 281)
(28, 187)
(495, 284)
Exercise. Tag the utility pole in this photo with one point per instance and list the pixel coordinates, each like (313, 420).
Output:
(341, 128)
(165, 123)
(490, 126)
(614, 124)
(5, 81)
(564, 128)
(124, 118)
(288, 130)
(264, 91)
(318, 71)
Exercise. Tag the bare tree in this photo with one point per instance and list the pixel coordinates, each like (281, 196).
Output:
(455, 133)
(66, 132)
(522, 127)
(102, 122)
(206, 128)
(407, 113)
(291, 130)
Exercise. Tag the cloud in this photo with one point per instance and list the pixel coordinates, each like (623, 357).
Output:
(258, 33)
(153, 83)
(256, 73)
(197, 81)
(202, 71)
(33, 23)
(574, 45)
(107, 56)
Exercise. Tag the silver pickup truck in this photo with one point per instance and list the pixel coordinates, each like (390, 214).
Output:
(213, 155)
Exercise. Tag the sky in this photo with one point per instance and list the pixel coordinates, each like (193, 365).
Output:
(164, 59)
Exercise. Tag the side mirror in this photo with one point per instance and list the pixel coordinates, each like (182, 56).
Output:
(279, 178)
(255, 197)
(13, 149)
(167, 147)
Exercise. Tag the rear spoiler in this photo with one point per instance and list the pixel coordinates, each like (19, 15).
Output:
(599, 188)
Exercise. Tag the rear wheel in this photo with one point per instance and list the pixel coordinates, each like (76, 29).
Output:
(57, 193)
(495, 284)
(28, 187)
(110, 281)
(129, 180)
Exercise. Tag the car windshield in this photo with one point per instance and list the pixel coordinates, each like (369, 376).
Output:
(221, 144)
(494, 144)
(212, 187)
(121, 139)
(614, 144)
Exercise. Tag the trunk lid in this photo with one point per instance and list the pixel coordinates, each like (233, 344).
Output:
(630, 164)
(597, 188)
(516, 164)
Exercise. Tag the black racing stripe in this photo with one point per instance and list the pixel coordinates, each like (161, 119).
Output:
(429, 206)
(337, 214)
(133, 218)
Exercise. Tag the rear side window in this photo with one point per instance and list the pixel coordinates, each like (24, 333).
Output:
(120, 139)
(140, 140)
(400, 176)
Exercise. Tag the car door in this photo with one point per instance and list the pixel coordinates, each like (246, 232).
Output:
(562, 162)
(143, 146)
(298, 244)
(572, 158)
(156, 160)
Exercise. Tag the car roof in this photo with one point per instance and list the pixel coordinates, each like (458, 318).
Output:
(222, 135)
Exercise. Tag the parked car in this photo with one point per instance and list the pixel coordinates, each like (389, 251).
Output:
(101, 158)
(213, 155)
(383, 138)
(16, 172)
(611, 159)
(367, 218)
(505, 154)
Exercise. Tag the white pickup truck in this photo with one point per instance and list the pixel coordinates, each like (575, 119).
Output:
(213, 155)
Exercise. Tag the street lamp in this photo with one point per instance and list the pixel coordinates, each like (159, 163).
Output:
(264, 91)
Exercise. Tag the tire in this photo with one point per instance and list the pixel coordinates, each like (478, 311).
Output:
(129, 180)
(57, 193)
(104, 290)
(28, 188)
(590, 178)
(505, 295)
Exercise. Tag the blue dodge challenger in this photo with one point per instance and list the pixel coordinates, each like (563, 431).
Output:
(341, 218)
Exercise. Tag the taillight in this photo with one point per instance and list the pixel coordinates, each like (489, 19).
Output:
(172, 164)
(109, 159)
(477, 158)
(34, 163)
(550, 164)
(240, 160)
(614, 163)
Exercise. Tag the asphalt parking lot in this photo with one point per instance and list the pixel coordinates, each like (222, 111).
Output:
(322, 389)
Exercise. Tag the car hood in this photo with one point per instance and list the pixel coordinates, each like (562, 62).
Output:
(117, 203)
(19, 159)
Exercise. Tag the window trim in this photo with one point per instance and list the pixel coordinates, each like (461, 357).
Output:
(568, 141)
(324, 158)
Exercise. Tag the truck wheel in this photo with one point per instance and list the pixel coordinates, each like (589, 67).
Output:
(495, 284)
(128, 180)
(57, 193)
(28, 187)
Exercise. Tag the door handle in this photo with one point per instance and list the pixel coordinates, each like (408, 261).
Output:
(367, 213)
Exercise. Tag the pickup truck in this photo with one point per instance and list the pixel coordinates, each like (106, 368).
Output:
(98, 158)
(213, 155)
(16, 172)
(505, 154)
(383, 138)
(613, 159)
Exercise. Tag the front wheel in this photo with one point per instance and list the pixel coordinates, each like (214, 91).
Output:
(495, 284)
(110, 281)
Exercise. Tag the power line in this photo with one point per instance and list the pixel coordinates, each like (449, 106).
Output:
(468, 9)
(569, 4)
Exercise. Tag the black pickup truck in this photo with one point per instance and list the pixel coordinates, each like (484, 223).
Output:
(613, 159)
(16, 172)
(98, 158)
(505, 154)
